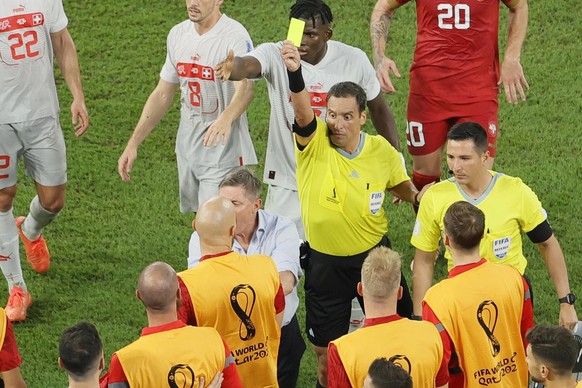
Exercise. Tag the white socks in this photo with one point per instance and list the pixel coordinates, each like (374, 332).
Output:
(36, 220)
(9, 254)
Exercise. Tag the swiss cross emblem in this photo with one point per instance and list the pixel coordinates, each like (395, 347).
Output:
(492, 129)
(37, 19)
(207, 72)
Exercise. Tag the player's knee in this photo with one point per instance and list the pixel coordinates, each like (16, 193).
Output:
(6, 198)
(53, 205)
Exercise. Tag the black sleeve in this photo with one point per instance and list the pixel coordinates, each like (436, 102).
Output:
(540, 233)
(307, 130)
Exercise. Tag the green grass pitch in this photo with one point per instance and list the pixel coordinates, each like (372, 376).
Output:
(109, 230)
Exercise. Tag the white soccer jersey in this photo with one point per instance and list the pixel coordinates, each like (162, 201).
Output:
(190, 61)
(340, 63)
(27, 81)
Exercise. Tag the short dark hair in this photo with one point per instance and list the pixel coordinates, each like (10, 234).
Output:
(80, 349)
(243, 177)
(386, 374)
(311, 9)
(470, 130)
(554, 346)
(464, 224)
(349, 89)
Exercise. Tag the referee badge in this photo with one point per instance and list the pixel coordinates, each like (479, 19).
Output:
(501, 247)
(376, 201)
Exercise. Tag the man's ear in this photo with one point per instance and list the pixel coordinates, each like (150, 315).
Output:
(363, 118)
(400, 292)
(61, 365)
(328, 34)
(360, 289)
(137, 295)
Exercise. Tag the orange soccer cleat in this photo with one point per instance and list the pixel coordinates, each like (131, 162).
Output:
(18, 303)
(37, 253)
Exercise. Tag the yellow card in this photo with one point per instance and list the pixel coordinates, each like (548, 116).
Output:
(295, 32)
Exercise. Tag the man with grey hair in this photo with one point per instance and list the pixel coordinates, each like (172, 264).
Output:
(169, 352)
(262, 232)
(414, 345)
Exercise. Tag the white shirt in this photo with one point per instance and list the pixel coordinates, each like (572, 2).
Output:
(190, 61)
(276, 236)
(28, 90)
(340, 63)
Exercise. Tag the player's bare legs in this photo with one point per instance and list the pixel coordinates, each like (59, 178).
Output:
(52, 198)
(321, 355)
(44, 208)
(19, 299)
(426, 168)
(6, 197)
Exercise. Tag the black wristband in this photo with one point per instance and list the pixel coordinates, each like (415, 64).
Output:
(416, 317)
(296, 83)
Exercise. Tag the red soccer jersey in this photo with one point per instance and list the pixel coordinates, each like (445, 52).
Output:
(456, 56)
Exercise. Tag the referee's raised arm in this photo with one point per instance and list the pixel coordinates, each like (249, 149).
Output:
(305, 123)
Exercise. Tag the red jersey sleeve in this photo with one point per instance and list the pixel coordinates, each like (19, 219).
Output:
(280, 300)
(230, 373)
(116, 375)
(336, 373)
(527, 315)
(186, 310)
(9, 354)
(443, 374)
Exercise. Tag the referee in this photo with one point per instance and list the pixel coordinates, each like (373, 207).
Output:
(342, 176)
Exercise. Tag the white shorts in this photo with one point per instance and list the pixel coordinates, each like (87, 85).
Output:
(41, 144)
(197, 183)
(285, 202)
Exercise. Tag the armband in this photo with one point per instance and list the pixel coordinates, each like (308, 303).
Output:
(305, 131)
(296, 83)
(540, 233)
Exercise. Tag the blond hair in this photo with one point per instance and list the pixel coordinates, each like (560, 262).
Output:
(381, 273)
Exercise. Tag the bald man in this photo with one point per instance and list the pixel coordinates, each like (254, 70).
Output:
(169, 353)
(241, 296)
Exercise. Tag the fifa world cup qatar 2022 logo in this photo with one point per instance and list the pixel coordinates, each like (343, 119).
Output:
(181, 374)
(487, 318)
(402, 361)
(242, 301)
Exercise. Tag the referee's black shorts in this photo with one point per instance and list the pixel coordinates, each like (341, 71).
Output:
(330, 285)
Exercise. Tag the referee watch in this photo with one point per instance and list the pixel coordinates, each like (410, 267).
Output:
(570, 299)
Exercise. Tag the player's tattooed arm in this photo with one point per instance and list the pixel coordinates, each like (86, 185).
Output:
(379, 27)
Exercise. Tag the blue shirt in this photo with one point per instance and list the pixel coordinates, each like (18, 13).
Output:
(276, 236)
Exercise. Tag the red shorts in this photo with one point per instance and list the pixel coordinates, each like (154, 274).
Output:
(429, 121)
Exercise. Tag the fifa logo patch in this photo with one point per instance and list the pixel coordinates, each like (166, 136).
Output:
(376, 201)
(501, 247)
